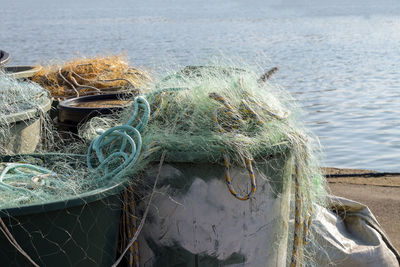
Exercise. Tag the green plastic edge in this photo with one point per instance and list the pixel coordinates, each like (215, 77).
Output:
(74, 201)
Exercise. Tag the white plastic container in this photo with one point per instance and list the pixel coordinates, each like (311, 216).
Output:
(195, 221)
(21, 131)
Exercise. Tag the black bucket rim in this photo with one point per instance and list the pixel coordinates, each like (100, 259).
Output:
(66, 104)
(73, 201)
(69, 114)
(103, 91)
(4, 58)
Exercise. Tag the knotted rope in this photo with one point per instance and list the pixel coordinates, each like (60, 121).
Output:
(228, 110)
(301, 227)
(124, 157)
(105, 147)
(229, 181)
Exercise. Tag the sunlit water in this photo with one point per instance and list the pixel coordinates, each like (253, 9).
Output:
(340, 60)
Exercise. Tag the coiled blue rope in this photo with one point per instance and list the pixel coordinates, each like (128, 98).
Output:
(103, 146)
(23, 177)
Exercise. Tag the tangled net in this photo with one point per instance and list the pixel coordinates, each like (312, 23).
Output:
(22, 104)
(223, 115)
(231, 117)
(17, 96)
(85, 76)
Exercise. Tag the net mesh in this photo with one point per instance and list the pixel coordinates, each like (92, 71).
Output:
(83, 76)
(222, 115)
(17, 96)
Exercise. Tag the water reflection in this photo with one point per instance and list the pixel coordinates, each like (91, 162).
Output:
(340, 60)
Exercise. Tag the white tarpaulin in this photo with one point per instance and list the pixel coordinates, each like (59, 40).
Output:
(350, 235)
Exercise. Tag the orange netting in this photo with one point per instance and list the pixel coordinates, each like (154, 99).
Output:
(85, 76)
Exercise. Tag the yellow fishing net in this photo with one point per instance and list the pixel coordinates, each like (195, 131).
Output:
(83, 76)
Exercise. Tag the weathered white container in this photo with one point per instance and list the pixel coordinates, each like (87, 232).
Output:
(20, 132)
(195, 221)
(22, 72)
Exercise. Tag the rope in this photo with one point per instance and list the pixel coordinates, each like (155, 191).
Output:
(107, 141)
(130, 227)
(265, 77)
(299, 225)
(251, 99)
(122, 135)
(229, 111)
(28, 177)
(251, 115)
(139, 229)
(105, 148)
(14, 243)
(153, 147)
(307, 226)
(229, 181)
(297, 222)
(100, 81)
(246, 109)
(31, 176)
(70, 84)
(119, 79)
(159, 103)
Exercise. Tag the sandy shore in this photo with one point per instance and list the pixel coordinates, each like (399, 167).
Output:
(380, 192)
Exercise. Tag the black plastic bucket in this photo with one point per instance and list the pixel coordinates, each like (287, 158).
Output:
(75, 111)
(81, 231)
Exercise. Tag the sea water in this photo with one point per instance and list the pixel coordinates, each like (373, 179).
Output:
(340, 59)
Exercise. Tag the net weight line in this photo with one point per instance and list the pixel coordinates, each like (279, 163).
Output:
(228, 110)
(130, 227)
(301, 227)
(139, 229)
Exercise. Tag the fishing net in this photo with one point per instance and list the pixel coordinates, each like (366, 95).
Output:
(23, 116)
(226, 116)
(229, 116)
(23, 107)
(16, 96)
(84, 76)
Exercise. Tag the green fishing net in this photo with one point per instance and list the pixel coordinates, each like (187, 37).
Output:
(199, 114)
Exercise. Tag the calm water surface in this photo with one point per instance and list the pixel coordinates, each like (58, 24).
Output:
(341, 61)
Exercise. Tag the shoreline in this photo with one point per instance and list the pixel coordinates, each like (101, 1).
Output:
(379, 191)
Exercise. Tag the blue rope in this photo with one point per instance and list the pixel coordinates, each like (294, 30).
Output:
(122, 135)
(25, 173)
(30, 176)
